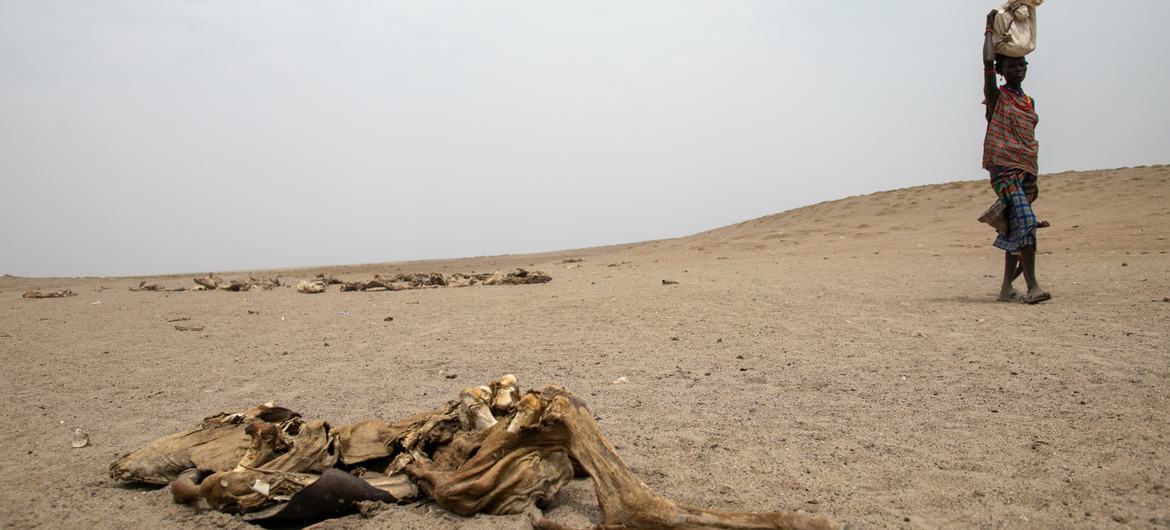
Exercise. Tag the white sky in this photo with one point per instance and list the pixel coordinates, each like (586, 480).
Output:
(145, 137)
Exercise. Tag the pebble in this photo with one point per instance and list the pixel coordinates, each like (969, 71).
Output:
(80, 439)
(388, 319)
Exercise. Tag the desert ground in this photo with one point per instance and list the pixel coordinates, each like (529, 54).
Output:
(846, 359)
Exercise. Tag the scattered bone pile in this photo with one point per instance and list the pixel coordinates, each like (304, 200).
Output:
(50, 294)
(403, 282)
(212, 282)
(399, 282)
(494, 450)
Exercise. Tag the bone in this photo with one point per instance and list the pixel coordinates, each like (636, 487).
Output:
(475, 411)
(505, 395)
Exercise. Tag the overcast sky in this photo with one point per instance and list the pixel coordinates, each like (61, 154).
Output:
(144, 137)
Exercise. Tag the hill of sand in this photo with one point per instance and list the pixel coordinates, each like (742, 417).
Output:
(846, 358)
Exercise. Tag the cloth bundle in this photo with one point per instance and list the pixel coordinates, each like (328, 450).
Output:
(1014, 31)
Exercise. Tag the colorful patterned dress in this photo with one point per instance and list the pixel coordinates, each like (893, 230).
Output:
(1011, 154)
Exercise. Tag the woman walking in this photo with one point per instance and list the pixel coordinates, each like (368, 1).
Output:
(1010, 154)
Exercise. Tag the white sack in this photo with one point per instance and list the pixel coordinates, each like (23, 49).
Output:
(1014, 31)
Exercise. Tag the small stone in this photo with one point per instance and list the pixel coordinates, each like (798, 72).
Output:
(327, 344)
(388, 319)
(1119, 519)
(451, 376)
(720, 341)
(1124, 264)
(80, 439)
(739, 357)
(621, 380)
(1166, 299)
(674, 339)
(669, 282)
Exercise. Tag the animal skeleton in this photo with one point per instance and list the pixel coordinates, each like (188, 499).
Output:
(491, 451)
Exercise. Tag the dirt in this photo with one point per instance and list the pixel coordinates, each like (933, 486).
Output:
(846, 358)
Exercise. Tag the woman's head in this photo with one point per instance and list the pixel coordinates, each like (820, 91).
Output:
(1013, 69)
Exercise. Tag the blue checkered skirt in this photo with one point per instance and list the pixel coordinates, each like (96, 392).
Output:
(1017, 189)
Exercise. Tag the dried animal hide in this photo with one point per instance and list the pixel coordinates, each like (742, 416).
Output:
(212, 282)
(266, 284)
(311, 286)
(143, 286)
(550, 427)
(281, 460)
(158, 288)
(217, 444)
(518, 277)
(512, 463)
(328, 280)
(49, 294)
(401, 282)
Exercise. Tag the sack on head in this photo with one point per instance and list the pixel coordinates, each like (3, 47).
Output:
(1014, 31)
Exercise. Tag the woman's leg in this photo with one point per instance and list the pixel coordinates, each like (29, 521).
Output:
(1007, 293)
(1036, 294)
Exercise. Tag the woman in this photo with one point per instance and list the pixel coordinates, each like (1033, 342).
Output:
(1010, 154)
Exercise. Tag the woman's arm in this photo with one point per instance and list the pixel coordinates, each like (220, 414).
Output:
(990, 87)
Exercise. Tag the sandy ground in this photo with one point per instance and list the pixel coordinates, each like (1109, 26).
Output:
(847, 358)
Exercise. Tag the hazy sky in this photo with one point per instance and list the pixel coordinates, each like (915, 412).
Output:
(141, 137)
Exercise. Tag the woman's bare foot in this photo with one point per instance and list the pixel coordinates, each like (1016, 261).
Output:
(1009, 295)
(1037, 295)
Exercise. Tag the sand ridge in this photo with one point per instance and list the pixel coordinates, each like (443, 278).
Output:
(845, 358)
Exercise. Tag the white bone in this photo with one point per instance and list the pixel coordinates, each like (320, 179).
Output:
(474, 411)
(507, 395)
